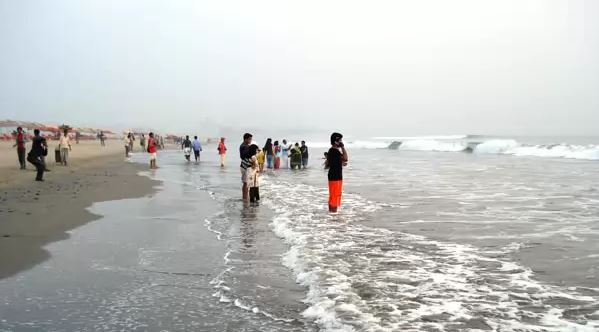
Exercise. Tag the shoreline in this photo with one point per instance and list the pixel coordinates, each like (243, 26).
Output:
(34, 214)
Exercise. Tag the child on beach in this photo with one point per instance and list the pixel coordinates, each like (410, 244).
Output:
(261, 157)
(254, 175)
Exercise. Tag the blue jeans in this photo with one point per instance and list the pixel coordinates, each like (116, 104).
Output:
(269, 161)
(304, 162)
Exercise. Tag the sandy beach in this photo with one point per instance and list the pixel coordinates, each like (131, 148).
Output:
(33, 214)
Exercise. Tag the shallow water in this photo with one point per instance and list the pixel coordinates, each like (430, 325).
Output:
(425, 241)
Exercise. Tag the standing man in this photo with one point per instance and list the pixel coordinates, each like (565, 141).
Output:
(246, 162)
(39, 148)
(142, 143)
(304, 150)
(222, 151)
(20, 145)
(197, 148)
(152, 149)
(65, 147)
(336, 159)
(131, 141)
(102, 139)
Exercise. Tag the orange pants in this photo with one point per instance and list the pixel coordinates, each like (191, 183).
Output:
(335, 190)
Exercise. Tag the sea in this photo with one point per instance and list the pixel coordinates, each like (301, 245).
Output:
(436, 233)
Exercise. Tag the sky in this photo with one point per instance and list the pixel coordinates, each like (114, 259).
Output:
(380, 68)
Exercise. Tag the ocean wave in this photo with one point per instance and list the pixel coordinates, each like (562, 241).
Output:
(433, 145)
(361, 278)
(479, 146)
(512, 147)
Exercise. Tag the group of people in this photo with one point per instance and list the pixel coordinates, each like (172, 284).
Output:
(39, 151)
(129, 143)
(37, 154)
(285, 155)
(187, 145)
(276, 155)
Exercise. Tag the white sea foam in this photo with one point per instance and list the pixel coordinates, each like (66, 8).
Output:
(361, 278)
(432, 145)
(512, 147)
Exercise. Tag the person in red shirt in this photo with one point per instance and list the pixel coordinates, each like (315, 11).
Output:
(152, 149)
(222, 151)
(20, 145)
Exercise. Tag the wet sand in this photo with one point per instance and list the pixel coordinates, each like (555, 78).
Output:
(33, 214)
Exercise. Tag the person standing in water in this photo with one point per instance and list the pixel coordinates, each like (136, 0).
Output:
(295, 157)
(20, 145)
(285, 154)
(277, 151)
(304, 150)
(197, 148)
(336, 159)
(39, 149)
(186, 146)
(152, 150)
(222, 151)
(245, 155)
(269, 153)
(65, 147)
(142, 143)
(254, 175)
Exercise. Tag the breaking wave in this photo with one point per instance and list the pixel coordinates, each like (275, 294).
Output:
(474, 144)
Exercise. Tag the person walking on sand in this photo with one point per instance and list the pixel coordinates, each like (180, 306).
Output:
(142, 143)
(244, 154)
(20, 145)
(277, 151)
(269, 152)
(65, 147)
(131, 142)
(222, 151)
(39, 149)
(102, 138)
(126, 141)
(186, 146)
(284, 154)
(336, 159)
(152, 150)
(305, 155)
(197, 148)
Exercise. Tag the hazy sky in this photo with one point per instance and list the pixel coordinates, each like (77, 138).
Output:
(374, 67)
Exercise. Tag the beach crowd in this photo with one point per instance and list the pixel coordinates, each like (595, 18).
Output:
(255, 160)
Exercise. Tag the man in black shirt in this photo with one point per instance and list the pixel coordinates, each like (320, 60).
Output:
(39, 148)
(304, 150)
(244, 154)
(336, 159)
(186, 146)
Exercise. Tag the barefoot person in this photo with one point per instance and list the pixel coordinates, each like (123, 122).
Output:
(186, 146)
(270, 153)
(39, 149)
(244, 154)
(254, 175)
(126, 141)
(152, 149)
(20, 145)
(222, 151)
(336, 159)
(197, 148)
(65, 147)
(305, 155)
